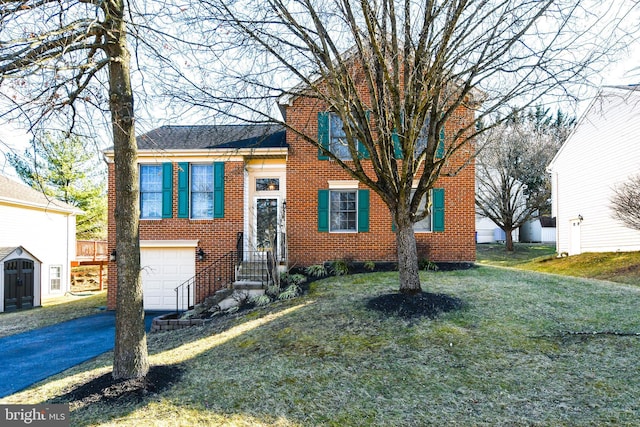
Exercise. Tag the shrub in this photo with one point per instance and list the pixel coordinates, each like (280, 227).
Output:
(427, 265)
(317, 270)
(340, 267)
(292, 291)
(369, 265)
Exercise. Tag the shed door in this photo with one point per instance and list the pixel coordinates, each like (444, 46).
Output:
(18, 284)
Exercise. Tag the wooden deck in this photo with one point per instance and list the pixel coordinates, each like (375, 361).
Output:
(91, 252)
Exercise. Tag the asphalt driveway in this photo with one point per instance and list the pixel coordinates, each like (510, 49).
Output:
(35, 355)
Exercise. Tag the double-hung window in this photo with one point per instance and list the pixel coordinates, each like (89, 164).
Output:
(55, 276)
(343, 211)
(201, 191)
(337, 138)
(150, 191)
(343, 208)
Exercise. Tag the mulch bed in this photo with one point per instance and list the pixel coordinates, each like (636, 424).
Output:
(105, 389)
(423, 304)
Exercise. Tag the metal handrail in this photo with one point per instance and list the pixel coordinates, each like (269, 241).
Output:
(217, 275)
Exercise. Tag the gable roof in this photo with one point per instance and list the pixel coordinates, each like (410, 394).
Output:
(600, 107)
(199, 137)
(8, 250)
(13, 192)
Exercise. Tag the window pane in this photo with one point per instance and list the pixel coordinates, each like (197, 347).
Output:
(150, 191)
(421, 143)
(343, 211)
(202, 205)
(150, 178)
(201, 178)
(425, 224)
(267, 184)
(151, 205)
(338, 143)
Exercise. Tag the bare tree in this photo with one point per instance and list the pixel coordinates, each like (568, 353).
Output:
(511, 181)
(418, 62)
(58, 60)
(625, 202)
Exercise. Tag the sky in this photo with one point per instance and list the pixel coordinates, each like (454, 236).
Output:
(624, 71)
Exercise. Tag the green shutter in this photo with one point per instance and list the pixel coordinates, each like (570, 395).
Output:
(323, 211)
(363, 211)
(218, 190)
(397, 148)
(183, 190)
(363, 153)
(438, 209)
(440, 149)
(323, 134)
(167, 190)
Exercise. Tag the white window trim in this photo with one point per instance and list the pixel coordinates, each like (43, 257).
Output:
(413, 187)
(331, 114)
(149, 218)
(59, 278)
(190, 193)
(344, 189)
(343, 184)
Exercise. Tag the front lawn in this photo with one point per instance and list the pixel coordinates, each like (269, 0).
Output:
(525, 349)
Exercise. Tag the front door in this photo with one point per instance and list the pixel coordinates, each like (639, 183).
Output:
(265, 215)
(18, 284)
(267, 230)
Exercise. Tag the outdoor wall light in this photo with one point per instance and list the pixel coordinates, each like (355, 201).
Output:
(580, 218)
(112, 257)
(200, 254)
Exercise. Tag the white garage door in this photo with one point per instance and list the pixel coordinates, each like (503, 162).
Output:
(163, 269)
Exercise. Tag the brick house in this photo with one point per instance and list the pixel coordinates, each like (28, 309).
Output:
(218, 195)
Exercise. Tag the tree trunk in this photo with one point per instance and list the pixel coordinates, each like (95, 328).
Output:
(130, 358)
(408, 259)
(508, 240)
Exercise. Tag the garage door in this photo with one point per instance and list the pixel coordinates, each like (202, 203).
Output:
(163, 269)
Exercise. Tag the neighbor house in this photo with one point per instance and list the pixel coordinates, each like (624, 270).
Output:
(602, 152)
(37, 245)
(539, 230)
(215, 195)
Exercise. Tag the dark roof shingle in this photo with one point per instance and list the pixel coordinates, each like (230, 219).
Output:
(213, 136)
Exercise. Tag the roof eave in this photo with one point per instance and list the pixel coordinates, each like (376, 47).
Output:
(42, 206)
(212, 152)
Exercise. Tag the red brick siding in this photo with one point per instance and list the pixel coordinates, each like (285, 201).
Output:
(216, 237)
(306, 174)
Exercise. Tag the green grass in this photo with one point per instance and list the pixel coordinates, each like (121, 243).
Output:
(522, 352)
(495, 253)
(53, 310)
(622, 267)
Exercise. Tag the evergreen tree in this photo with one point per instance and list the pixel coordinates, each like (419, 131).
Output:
(62, 168)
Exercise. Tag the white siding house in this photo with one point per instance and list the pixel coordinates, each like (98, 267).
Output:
(602, 152)
(41, 227)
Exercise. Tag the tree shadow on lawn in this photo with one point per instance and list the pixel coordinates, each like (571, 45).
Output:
(134, 392)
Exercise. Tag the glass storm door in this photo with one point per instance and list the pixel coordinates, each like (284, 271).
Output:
(266, 224)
